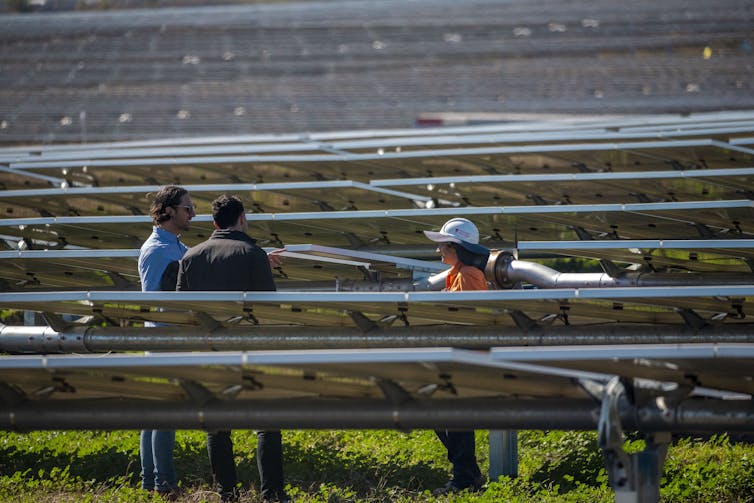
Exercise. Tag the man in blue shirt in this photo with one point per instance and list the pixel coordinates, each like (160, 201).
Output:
(171, 211)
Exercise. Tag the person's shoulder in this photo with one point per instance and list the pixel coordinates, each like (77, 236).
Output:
(252, 245)
(473, 273)
(244, 240)
(470, 270)
(251, 249)
(473, 278)
(150, 247)
(154, 240)
(197, 248)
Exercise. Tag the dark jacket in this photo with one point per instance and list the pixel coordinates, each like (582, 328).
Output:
(228, 260)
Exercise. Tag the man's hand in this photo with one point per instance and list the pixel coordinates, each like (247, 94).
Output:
(275, 258)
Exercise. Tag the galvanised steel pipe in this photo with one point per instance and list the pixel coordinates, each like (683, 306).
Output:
(42, 339)
(488, 413)
(504, 270)
(45, 340)
(296, 414)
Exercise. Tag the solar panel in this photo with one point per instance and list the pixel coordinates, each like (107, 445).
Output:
(449, 376)
(671, 220)
(260, 198)
(303, 267)
(582, 188)
(390, 158)
(354, 337)
(572, 306)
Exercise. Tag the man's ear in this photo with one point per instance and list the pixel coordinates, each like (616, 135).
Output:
(216, 226)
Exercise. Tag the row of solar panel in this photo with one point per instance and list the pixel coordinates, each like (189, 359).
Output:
(552, 200)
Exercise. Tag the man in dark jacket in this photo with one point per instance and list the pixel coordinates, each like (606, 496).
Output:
(231, 261)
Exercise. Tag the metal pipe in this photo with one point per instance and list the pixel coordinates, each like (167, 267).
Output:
(485, 413)
(504, 270)
(434, 282)
(44, 340)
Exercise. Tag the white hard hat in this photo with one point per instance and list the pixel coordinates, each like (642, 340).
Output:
(461, 231)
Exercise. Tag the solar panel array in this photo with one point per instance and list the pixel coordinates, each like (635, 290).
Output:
(330, 66)
(662, 203)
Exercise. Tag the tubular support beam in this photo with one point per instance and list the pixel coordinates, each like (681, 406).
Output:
(490, 413)
(503, 269)
(45, 340)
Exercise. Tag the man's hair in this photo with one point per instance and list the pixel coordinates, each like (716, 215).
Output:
(168, 196)
(226, 210)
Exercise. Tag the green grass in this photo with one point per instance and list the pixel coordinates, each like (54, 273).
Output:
(367, 466)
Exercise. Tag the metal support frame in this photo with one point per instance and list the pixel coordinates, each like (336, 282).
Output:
(91, 339)
(21, 413)
(503, 446)
(635, 478)
(197, 393)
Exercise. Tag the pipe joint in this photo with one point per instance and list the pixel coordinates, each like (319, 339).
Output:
(42, 340)
(498, 267)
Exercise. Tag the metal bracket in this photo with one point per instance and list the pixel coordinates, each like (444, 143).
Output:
(119, 282)
(522, 321)
(197, 393)
(323, 206)
(56, 322)
(609, 268)
(394, 392)
(704, 231)
(538, 200)
(640, 197)
(750, 263)
(610, 437)
(353, 240)
(250, 383)
(582, 234)
(692, 319)
(361, 321)
(635, 478)
(207, 321)
(397, 396)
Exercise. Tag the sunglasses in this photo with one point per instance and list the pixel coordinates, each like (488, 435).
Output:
(189, 207)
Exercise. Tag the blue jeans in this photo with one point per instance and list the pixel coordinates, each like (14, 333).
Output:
(157, 467)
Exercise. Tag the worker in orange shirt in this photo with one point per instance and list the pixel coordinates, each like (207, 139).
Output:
(460, 249)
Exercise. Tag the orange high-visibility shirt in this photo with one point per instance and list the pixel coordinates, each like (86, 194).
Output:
(462, 278)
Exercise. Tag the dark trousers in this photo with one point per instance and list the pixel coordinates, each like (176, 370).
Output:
(462, 454)
(269, 462)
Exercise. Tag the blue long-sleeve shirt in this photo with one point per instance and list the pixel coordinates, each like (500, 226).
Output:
(157, 252)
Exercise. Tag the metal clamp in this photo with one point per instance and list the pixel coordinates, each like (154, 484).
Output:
(635, 478)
